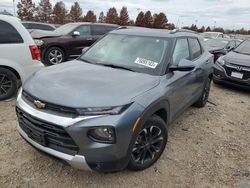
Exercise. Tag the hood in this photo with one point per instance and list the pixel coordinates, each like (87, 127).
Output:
(214, 48)
(238, 59)
(38, 34)
(78, 84)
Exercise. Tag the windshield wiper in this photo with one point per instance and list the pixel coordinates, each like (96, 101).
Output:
(117, 67)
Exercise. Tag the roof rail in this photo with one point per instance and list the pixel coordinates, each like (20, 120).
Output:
(122, 27)
(181, 30)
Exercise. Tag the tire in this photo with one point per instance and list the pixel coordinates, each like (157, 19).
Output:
(54, 56)
(215, 81)
(8, 84)
(201, 102)
(144, 152)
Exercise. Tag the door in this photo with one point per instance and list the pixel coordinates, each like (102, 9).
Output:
(202, 63)
(181, 83)
(77, 43)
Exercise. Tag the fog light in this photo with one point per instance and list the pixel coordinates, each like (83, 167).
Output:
(102, 134)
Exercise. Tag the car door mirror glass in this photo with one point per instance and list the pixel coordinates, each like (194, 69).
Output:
(183, 65)
(76, 33)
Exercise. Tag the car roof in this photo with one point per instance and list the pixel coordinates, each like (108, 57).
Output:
(92, 23)
(141, 31)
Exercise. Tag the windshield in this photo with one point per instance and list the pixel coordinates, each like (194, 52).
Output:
(140, 54)
(65, 29)
(243, 48)
(210, 35)
(213, 43)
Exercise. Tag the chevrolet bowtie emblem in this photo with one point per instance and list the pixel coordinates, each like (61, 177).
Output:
(39, 104)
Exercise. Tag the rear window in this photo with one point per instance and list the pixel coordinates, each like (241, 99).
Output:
(195, 47)
(8, 34)
(41, 27)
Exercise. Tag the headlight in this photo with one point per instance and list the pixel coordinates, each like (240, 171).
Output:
(102, 134)
(102, 110)
(39, 42)
(221, 61)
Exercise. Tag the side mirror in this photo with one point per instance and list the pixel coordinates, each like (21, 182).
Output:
(229, 48)
(184, 65)
(84, 49)
(76, 33)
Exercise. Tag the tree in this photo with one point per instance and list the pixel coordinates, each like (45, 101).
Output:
(139, 19)
(112, 16)
(75, 12)
(44, 11)
(193, 27)
(59, 13)
(148, 20)
(160, 20)
(101, 18)
(90, 16)
(25, 10)
(208, 29)
(124, 18)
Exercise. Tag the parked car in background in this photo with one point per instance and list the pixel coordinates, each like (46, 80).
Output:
(234, 68)
(68, 40)
(111, 108)
(31, 26)
(220, 47)
(19, 56)
(212, 35)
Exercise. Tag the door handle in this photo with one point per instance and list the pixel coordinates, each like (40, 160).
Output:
(89, 39)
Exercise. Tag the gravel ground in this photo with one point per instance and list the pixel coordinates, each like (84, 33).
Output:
(208, 147)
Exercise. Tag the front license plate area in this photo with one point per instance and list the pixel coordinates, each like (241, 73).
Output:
(237, 75)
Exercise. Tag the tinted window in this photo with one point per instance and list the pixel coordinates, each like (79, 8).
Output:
(181, 51)
(41, 27)
(84, 30)
(110, 28)
(26, 25)
(99, 30)
(8, 34)
(195, 48)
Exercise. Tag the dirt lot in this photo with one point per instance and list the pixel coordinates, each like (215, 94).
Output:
(208, 147)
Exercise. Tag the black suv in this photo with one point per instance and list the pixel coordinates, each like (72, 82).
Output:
(68, 40)
(111, 108)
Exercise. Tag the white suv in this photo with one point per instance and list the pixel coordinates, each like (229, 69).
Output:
(19, 56)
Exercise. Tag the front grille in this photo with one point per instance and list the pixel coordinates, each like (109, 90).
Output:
(51, 107)
(229, 68)
(46, 134)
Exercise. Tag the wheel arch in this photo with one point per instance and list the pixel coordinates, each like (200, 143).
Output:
(12, 70)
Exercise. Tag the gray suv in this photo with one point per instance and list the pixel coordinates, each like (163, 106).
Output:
(112, 107)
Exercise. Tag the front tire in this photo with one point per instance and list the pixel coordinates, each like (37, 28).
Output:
(8, 84)
(201, 102)
(54, 56)
(149, 144)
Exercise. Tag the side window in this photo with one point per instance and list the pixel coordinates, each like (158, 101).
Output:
(195, 48)
(181, 51)
(84, 30)
(220, 36)
(231, 44)
(99, 30)
(110, 28)
(41, 26)
(8, 34)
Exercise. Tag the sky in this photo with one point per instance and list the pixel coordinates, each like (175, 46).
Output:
(229, 14)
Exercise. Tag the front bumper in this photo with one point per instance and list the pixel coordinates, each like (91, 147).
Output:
(77, 161)
(221, 76)
(91, 155)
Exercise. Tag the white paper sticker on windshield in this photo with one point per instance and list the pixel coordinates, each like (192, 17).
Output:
(145, 62)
